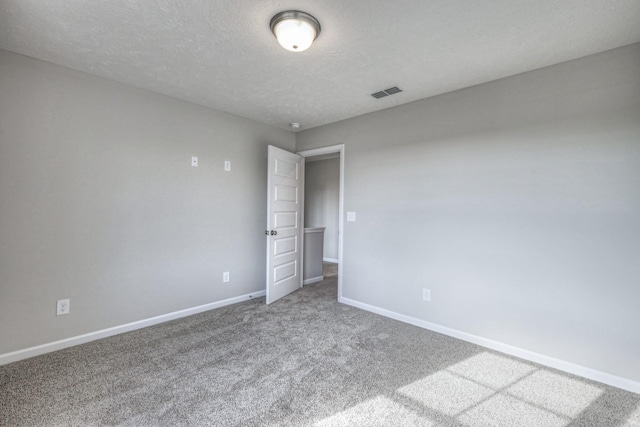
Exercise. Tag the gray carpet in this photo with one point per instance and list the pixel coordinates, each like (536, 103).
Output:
(329, 269)
(305, 360)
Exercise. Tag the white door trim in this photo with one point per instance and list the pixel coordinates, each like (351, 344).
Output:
(339, 148)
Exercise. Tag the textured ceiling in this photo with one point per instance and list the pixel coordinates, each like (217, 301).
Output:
(221, 54)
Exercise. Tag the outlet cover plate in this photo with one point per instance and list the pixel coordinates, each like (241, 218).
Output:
(63, 306)
(426, 294)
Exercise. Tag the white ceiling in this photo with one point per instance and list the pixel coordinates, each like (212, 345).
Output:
(221, 53)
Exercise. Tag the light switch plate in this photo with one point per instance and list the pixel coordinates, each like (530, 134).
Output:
(194, 161)
(227, 165)
(351, 216)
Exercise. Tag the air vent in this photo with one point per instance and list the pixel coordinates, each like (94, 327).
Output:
(386, 92)
(380, 94)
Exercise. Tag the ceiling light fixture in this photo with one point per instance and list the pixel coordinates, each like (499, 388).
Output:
(294, 125)
(295, 30)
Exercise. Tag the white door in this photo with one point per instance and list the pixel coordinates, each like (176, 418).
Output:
(284, 223)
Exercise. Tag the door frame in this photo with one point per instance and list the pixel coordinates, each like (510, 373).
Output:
(331, 149)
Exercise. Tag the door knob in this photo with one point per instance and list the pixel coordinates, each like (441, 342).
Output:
(274, 232)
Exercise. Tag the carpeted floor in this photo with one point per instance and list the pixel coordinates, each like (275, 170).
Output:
(329, 269)
(305, 360)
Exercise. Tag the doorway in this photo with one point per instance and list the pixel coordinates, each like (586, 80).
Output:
(322, 216)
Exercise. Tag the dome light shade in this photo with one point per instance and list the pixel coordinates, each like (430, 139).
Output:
(295, 30)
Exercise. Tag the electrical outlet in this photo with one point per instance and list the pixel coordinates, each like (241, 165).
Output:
(426, 294)
(227, 165)
(225, 276)
(63, 306)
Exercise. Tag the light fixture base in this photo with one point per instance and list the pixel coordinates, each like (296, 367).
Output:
(295, 30)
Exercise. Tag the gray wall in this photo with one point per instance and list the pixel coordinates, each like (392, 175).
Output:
(99, 203)
(517, 202)
(322, 200)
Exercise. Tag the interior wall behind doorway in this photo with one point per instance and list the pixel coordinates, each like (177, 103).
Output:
(322, 199)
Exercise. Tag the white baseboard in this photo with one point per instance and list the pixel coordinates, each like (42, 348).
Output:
(92, 336)
(562, 365)
(333, 260)
(313, 280)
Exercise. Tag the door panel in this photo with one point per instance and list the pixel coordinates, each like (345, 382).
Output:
(285, 193)
(284, 246)
(284, 272)
(285, 220)
(284, 231)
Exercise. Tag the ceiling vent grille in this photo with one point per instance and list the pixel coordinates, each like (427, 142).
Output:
(380, 94)
(393, 90)
(386, 92)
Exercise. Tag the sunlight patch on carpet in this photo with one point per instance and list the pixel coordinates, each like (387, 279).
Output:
(446, 392)
(556, 392)
(634, 418)
(491, 370)
(379, 411)
(508, 411)
(491, 389)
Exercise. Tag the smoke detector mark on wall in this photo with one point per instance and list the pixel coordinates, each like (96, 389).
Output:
(386, 92)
